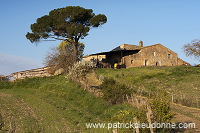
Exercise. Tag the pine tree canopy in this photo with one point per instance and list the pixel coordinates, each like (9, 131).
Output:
(71, 22)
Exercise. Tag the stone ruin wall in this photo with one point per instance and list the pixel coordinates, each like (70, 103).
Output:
(40, 72)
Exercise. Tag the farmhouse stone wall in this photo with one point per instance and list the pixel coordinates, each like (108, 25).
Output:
(128, 56)
(182, 62)
(154, 55)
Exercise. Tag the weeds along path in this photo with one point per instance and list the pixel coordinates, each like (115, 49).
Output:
(25, 112)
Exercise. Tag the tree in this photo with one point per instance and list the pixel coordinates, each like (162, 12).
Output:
(66, 48)
(193, 48)
(61, 56)
(68, 23)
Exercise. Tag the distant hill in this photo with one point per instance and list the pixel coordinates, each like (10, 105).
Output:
(11, 63)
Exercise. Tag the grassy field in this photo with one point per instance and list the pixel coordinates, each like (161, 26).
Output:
(51, 105)
(55, 105)
(182, 84)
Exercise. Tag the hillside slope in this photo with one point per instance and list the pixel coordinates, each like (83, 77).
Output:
(181, 85)
(53, 104)
(48, 104)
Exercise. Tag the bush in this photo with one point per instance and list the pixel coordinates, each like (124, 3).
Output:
(114, 92)
(79, 70)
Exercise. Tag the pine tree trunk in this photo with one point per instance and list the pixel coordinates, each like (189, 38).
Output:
(75, 48)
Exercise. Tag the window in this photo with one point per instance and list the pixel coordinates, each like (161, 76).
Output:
(154, 53)
(157, 64)
(146, 63)
(131, 61)
(169, 56)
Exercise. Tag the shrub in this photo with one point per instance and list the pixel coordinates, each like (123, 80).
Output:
(114, 92)
(79, 70)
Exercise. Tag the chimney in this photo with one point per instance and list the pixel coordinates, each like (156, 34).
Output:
(141, 43)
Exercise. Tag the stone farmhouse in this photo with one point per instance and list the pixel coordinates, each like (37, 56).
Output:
(127, 56)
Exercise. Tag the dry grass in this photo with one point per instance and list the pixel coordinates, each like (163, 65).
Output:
(187, 115)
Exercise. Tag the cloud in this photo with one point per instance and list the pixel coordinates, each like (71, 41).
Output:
(11, 63)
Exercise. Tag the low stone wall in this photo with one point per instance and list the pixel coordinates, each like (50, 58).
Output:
(39, 72)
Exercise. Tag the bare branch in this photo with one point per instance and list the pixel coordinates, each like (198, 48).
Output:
(193, 48)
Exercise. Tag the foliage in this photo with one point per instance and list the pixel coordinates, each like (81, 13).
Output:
(193, 48)
(61, 56)
(181, 83)
(126, 114)
(157, 111)
(65, 47)
(3, 78)
(5, 84)
(79, 70)
(68, 23)
(114, 92)
(161, 110)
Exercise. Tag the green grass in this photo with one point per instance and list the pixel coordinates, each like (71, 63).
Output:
(51, 104)
(182, 82)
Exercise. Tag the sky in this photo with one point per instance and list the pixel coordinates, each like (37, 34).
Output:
(171, 23)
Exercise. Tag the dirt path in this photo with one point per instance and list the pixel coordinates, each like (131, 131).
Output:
(187, 115)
